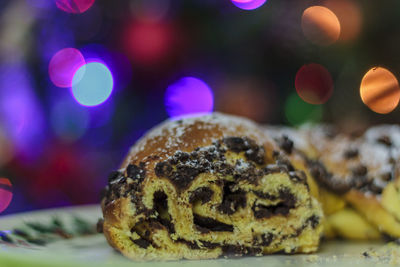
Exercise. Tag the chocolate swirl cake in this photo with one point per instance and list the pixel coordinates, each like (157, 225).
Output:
(206, 187)
(356, 178)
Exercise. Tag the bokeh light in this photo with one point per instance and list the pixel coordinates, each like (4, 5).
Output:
(147, 43)
(380, 90)
(314, 84)
(5, 193)
(349, 14)
(69, 120)
(63, 65)
(248, 4)
(247, 97)
(188, 95)
(74, 6)
(92, 84)
(298, 112)
(21, 114)
(320, 25)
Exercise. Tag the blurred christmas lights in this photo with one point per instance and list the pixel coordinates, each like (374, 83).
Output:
(189, 95)
(74, 6)
(92, 84)
(314, 84)
(349, 14)
(380, 90)
(63, 65)
(147, 43)
(20, 112)
(5, 193)
(298, 112)
(320, 25)
(246, 97)
(248, 4)
(68, 119)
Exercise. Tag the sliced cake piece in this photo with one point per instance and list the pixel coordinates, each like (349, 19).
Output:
(206, 187)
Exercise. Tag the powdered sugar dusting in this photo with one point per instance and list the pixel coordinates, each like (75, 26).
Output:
(173, 134)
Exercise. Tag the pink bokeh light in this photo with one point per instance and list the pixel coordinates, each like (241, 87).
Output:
(248, 4)
(5, 194)
(74, 6)
(63, 65)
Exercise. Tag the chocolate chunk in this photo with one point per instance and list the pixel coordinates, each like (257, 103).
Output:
(263, 240)
(205, 224)
(232, 200)
(135, 172)
(203, 193)
(281, 208)
(385, 140)
(236, 144)
(264, 195)
(256, 154)
(114, 175)
(190, 244)
(284, 162)
(313, 220)
(387, 177)
(351, 153)
(163, 169)
(285, 144)
(238, 250)
(327, 180)
(360, 170)
(298, 176)
(209, 245)
(160, 203)
(141, 242)
(194, 245)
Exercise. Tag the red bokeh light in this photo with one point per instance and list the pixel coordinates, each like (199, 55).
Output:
(5, 193)
(147, 43)
(314, 84)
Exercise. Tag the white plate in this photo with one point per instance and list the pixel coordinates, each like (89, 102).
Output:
(58, 238)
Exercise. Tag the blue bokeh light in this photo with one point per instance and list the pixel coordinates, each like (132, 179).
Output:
(188, 95)
(92, 84)
(248, 4)
(69, 120)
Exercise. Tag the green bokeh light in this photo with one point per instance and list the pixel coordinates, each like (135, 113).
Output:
(298, 112)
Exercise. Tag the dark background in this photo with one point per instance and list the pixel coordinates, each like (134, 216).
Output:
(249, 58)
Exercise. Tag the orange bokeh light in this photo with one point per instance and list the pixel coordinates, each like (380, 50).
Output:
(349, 15)
(320, 25)
(380, 90)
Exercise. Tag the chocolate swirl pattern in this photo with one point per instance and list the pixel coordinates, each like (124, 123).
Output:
(206, 187)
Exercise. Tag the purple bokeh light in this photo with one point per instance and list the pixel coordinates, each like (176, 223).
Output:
(92, 84)
(63, 65)
(20, 112)
(74, 6)
(248, 4)
(189, 95)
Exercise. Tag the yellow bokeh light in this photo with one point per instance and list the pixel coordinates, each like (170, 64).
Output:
(380, 90)
(320, 25)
